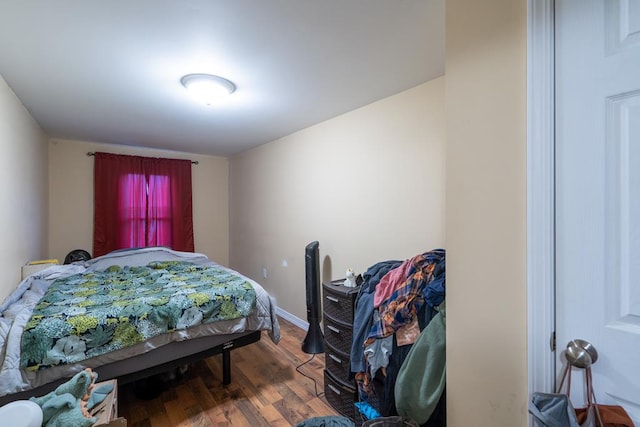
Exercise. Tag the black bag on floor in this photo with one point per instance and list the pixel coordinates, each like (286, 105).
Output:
(390, 422)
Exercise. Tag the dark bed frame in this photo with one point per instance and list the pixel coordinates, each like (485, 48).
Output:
(159, 360)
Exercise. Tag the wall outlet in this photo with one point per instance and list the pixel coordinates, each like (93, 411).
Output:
(264, 272)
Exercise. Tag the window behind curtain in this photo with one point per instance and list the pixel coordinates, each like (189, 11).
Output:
(141, 201)
(144, 211)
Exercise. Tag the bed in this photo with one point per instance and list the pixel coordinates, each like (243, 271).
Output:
(127, 315)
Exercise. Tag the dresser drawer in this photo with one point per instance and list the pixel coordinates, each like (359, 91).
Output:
(337, 363)
(337, 301)
(338, 334)
(341, 396)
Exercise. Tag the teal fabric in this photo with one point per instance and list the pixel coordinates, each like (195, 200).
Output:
(367, 410)
(422, 377)
(62, 407)
(98, 394)
(93, 313)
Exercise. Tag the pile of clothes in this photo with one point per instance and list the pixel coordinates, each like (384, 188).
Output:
(398, 348)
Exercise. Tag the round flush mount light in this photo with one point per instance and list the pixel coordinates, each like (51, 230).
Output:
(207, 88)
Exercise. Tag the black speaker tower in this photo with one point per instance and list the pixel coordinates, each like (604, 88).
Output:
(314, 341)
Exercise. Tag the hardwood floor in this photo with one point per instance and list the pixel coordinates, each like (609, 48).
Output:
(265, 389)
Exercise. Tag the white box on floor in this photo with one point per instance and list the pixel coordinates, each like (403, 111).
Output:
(34, 268)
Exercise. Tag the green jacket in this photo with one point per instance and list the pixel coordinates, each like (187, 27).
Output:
(422, 376)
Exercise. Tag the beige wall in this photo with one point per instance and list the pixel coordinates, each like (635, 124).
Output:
(486, 213)
(23, 190)
(368, 185)
(71, 201)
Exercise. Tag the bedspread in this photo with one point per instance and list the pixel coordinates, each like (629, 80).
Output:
(89, 314)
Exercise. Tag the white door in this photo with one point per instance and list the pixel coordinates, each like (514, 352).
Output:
(598, 192)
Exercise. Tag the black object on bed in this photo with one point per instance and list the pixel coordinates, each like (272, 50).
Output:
(77, 255)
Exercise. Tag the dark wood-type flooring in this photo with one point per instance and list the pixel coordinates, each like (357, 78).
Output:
(265, 389)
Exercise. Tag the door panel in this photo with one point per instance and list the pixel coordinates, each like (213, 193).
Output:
(622, 25)
(598, 192)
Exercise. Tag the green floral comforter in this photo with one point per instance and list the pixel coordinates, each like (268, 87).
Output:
(96, 312)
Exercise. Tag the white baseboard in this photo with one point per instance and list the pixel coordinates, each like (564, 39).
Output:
(291, 318)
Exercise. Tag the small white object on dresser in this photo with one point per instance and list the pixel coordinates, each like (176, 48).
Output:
(350, 281)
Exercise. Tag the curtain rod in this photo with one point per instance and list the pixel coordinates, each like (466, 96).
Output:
(193, 162)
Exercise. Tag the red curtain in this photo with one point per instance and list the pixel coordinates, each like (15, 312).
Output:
(141, 201)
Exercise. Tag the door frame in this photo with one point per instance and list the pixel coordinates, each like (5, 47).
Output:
(540, 195)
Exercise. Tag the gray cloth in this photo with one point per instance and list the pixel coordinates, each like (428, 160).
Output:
(378, 353)
(552, 410)
(328, 421)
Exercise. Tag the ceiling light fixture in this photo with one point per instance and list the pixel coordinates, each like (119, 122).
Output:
(207, 88)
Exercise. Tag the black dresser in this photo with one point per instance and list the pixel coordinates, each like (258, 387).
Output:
(337, 309)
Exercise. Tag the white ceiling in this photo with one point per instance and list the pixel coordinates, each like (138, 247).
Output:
(109, 71)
